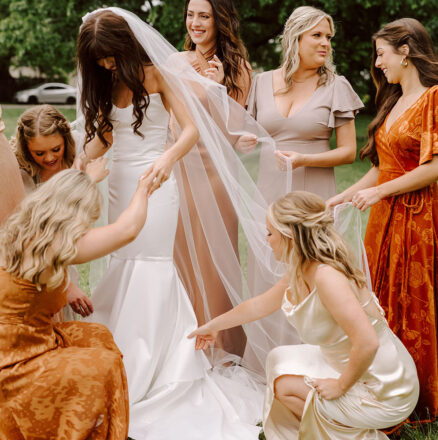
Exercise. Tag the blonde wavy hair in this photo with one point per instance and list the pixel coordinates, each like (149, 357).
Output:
(44, 233)
(42, 120)
(301, 20)
(308, 234)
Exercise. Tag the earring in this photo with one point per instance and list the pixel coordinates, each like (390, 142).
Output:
(404, 62)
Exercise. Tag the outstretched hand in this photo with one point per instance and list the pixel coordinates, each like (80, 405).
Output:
(204, 337)
(158, 172)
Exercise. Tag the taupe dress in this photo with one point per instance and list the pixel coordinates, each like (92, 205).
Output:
(306, 131)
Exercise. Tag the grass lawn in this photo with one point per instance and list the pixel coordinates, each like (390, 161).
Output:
(346, 175)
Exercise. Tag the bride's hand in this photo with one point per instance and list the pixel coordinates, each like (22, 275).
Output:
(158, 172)
(204, 337)
(246, 143)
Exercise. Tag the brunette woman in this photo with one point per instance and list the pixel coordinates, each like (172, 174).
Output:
(401, 238)
(215, 50)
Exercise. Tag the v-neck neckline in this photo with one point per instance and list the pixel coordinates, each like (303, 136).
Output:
(299, 110)
(402, 113)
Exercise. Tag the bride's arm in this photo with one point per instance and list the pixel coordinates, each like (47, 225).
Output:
(101, 241)
(160, 171)
(250, 310)
(92, 150)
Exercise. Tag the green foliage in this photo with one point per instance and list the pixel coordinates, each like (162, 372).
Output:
(42, 33)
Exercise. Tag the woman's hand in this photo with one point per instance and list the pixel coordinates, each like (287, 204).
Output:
(81, 161)
(337, 200)
(158, 172)
(216, 70)
(204, 337)
(296, 159)
(246, 143)
(96, 169)
(328, 389)
(365, 198)
(79, 301)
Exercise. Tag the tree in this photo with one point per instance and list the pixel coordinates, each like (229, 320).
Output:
(42, 33)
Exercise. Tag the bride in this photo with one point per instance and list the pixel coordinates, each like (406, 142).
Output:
(126, 100)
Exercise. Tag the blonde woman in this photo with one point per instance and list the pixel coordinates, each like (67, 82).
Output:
(44, 145)
(63, 380)
(300, 104)
(352, 376)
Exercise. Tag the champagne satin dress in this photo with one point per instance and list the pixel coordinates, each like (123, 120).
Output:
(384, 396)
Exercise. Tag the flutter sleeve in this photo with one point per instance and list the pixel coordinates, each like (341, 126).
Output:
(345, 103)
(429, 133)
(251, 102)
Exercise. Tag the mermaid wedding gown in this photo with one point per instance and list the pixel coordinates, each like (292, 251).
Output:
(173, 392)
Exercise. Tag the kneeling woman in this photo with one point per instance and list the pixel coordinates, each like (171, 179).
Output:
(353, 376)
(65, 380)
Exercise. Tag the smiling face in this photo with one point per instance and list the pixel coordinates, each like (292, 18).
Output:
(389, 61)
(275, 240)
(48, 152)
(200, 23)
(315, 46)
(108, 63)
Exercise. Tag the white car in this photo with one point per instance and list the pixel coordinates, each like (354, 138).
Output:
(47, 93)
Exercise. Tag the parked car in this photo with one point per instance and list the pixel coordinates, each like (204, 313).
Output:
(47, 93)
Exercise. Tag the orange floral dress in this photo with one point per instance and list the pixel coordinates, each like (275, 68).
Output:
(402, 243)
(64, 381)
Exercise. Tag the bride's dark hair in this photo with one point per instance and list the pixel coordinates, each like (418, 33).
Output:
(106, 34)
(421, 54)
(229, 46)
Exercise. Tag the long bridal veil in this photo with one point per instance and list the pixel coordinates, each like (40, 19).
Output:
(220, 121)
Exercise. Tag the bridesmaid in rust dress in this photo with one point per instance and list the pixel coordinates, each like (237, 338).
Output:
(215, 50)
(63, 380)
(402, 232)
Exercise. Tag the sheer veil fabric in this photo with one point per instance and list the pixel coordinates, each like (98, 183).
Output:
(220, 121)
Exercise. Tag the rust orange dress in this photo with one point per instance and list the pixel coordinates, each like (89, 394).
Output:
(402, 243)
(63, 381)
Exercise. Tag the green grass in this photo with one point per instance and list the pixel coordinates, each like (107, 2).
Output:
(346, 175)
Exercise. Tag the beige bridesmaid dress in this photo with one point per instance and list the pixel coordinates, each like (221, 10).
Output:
(385, 395)
(307, 131)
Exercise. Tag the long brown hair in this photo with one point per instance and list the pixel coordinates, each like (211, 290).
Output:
(41, 120)
(106, 34)
(421, 54)
(229, 46)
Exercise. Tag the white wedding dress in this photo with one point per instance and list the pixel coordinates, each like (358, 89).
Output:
(173, 392)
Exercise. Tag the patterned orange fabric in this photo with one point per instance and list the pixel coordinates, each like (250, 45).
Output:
(64, 381)
(402, 243)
